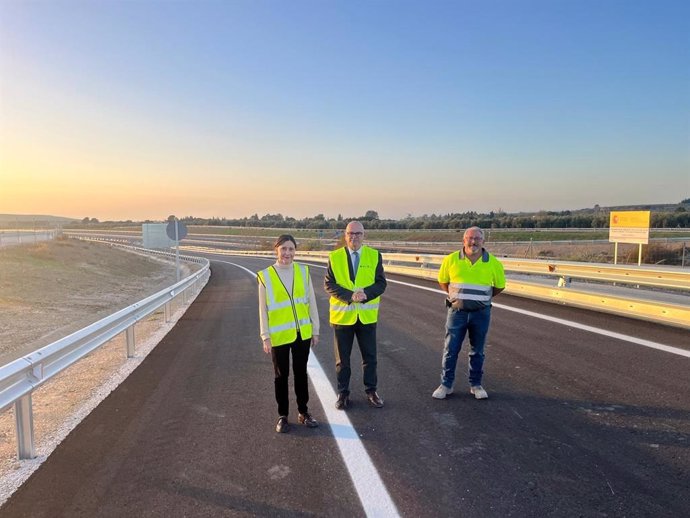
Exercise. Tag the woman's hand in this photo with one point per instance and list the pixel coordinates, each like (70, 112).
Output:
(314, 340)
(267, 346)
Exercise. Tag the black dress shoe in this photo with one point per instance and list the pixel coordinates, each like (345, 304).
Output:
(343, 401)
(374, 399)
(307, 420)
(282, 425)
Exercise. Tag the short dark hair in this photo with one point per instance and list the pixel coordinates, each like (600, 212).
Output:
(282, 238)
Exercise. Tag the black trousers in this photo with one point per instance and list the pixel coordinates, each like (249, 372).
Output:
(281, 366)
(344, 340)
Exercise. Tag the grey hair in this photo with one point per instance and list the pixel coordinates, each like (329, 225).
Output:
(473, 228)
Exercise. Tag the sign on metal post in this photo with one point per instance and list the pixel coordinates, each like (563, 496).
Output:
(176, 230)
(629, 227)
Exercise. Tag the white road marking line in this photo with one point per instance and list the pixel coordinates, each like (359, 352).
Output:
(370, 488)
(240, 267)
(570, 323)
(604, 332)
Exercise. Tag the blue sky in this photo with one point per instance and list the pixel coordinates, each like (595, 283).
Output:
(140, 109)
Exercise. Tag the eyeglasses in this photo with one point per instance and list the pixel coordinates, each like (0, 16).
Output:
(357, 234)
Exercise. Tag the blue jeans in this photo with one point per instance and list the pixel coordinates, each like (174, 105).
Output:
(459, 323)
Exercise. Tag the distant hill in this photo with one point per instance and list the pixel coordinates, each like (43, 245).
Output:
(29, 218)
(660, 207)
(653, 207)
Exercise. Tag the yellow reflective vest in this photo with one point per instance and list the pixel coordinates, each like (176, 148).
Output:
(288, 310)
(471, 284)
(342, 313)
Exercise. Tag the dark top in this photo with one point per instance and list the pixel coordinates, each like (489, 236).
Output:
(343, 294)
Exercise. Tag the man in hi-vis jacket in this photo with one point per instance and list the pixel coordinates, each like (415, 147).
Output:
(355, 281)
(471, 277)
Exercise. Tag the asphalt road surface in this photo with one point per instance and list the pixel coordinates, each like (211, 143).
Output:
(578, 422)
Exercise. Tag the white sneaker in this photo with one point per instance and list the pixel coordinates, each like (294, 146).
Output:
(479, 392)
(441, 392)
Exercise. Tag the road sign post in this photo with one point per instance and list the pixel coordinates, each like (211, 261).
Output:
(176, 230)
(629, 227)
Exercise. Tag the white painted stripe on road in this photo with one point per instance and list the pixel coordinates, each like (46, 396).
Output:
(370, 488)
(604, 332)
(240, 267)
(570, 323)
(426, 288)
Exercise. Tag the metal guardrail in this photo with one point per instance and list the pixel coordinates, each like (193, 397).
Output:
(654, 276)
(20, 237)
(21, 377)
(425, 266)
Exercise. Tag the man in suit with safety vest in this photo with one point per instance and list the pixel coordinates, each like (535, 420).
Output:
(355, 281)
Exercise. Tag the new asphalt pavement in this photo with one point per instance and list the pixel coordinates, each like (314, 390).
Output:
(581, 421)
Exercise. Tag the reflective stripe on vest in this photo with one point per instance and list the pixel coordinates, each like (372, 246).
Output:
(287, 313)
(476, 292)
(346, 314)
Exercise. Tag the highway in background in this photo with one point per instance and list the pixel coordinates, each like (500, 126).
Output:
(21, 237)
(579, 422)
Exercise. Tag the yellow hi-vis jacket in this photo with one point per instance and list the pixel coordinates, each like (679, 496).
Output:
(368, 311)
(288, 311)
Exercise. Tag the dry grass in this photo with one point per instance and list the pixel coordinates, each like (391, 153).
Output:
(52, 288)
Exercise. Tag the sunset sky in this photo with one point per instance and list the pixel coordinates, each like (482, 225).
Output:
(140, 109)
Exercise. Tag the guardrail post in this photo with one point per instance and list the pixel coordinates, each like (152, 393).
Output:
(564, 282)
(167, 312)
(23, 414)
(130, 341)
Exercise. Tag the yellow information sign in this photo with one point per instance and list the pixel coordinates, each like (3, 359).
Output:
(629, 227)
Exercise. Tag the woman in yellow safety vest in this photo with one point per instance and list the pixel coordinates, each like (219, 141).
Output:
(289, 321)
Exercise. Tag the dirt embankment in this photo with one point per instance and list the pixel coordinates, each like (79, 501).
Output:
(51, 289)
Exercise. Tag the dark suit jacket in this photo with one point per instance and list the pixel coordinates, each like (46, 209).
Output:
(343, 294)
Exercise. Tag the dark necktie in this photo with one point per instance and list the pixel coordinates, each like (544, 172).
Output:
(355, 262)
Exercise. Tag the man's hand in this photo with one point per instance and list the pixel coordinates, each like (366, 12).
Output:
(267, 346)
(314, 340)
(359, 295)
(453, 303)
